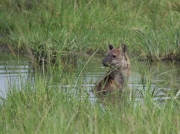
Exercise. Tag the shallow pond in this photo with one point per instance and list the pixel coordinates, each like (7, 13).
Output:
(14, 70)
(162, 78)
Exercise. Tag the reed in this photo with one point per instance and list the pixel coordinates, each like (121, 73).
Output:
(57, 101)
(149, 28)
(43, 106)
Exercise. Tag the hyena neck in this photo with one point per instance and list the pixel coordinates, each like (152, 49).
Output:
(117, 76)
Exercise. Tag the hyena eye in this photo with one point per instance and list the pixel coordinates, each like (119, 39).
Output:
(114, 56)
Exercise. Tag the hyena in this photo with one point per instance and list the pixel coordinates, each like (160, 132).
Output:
(119, 70)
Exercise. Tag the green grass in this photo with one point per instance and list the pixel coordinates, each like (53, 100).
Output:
(149, 28)
(64, 31)
(51, 109)
(54, 104)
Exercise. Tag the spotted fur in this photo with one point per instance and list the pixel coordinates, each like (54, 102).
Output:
(119, 70)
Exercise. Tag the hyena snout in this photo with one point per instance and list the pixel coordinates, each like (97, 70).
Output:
(106, 62)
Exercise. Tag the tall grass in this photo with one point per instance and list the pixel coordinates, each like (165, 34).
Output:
(150, 28)
(43, 108)
(56, 29)
(56, 103)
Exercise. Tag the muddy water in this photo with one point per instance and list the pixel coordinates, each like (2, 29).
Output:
(161, 78)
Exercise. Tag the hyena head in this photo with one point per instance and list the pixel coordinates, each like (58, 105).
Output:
(116, 57)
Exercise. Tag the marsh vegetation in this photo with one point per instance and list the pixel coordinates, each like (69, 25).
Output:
(149, 28)
(68, 37)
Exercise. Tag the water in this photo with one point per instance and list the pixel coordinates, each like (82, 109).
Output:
(162, 78)
(14, 71)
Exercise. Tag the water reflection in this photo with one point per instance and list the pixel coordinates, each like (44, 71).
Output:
(160, 79)
(14, 71)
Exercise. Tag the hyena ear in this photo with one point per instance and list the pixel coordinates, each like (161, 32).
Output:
(110, 47)
(124, 49)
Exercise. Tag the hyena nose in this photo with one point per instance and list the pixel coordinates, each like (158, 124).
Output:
(105, 63)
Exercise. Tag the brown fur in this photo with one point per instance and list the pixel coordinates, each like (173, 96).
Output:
(119, 70)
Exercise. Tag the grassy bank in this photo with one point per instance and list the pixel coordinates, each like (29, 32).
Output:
(149, 28)
(39, 108)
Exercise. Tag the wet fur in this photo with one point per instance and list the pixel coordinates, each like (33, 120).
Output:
(119, 70)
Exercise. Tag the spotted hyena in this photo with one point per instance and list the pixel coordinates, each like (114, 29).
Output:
(119, 70)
